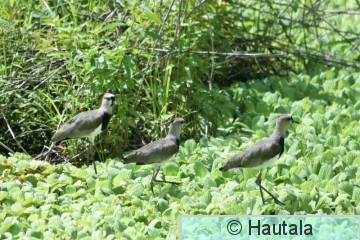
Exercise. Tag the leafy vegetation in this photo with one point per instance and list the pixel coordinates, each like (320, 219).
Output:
(318, 173)
(59, 57)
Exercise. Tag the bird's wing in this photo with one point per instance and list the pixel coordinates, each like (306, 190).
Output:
(79, 126)
(157, 151)
(255, 155)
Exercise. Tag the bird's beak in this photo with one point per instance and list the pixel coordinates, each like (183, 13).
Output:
(294, 121)
(113, 103)
(166, 123)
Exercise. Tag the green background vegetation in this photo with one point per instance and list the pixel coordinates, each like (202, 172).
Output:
(193, 59)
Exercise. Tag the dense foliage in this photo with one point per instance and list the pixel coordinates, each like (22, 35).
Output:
(227, 67)
(60, 57)
(317, 174)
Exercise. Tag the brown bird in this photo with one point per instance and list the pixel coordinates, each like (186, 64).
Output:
(87, 124)
(159, 151)
(263, 153)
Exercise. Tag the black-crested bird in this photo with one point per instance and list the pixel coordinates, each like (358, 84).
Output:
(263, 153)
(159, 151)
(87, 124)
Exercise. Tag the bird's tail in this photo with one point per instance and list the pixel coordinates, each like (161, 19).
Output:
(223, 169)
(130, 158)
(228, 165)
(125, 160)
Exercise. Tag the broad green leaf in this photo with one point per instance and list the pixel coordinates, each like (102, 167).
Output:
(189, 146)
(171, 169)
(137, 189)
(325, 172)
(332, 141)
(200, 169)
(330, 187)
(209, 182)
(356, 194)
(346, 187)
(110, 27)
(162, 205)
(81, 174)
(91, 183)
(152, 15)
(104, 183)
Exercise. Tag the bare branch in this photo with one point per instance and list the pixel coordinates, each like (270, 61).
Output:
(235, 53)
(353, 12)
(6, 147)
(12, 133)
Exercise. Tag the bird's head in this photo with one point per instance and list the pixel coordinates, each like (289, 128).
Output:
(178, 121)
(108, 100)
(283, 122)
(175, 126)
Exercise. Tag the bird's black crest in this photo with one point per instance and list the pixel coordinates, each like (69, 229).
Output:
(105, 121)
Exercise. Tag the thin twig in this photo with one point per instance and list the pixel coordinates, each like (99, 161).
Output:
(32, 131)
(12, 133)
(235, 54)
(6, 147)
(284, 10)
(212, 69)
(48, 77)
(352, 12)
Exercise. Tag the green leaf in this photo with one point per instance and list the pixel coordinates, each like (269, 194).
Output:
(200, 169)
(162, 205)
(105, 183)
(346, 187)
(128, 66)
(110, 26)
(152, 15)
(332, 141)
(91, 183)
(330, 187)
(189, 146)
(171, 169)
(356, 194)
(137, 189)
(209, 182)
(325, 172)
(70, 189)
(124, 174)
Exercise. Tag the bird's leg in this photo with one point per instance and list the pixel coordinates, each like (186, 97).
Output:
(164, 180)
(90, 155)
(258, 182)
(93, 156)
(153, 179)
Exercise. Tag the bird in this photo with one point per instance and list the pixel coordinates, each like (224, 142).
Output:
(88, 124)
(263, 153)
(158, 151)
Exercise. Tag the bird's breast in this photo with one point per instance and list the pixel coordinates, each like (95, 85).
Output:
(96, 132)
(267, 163)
